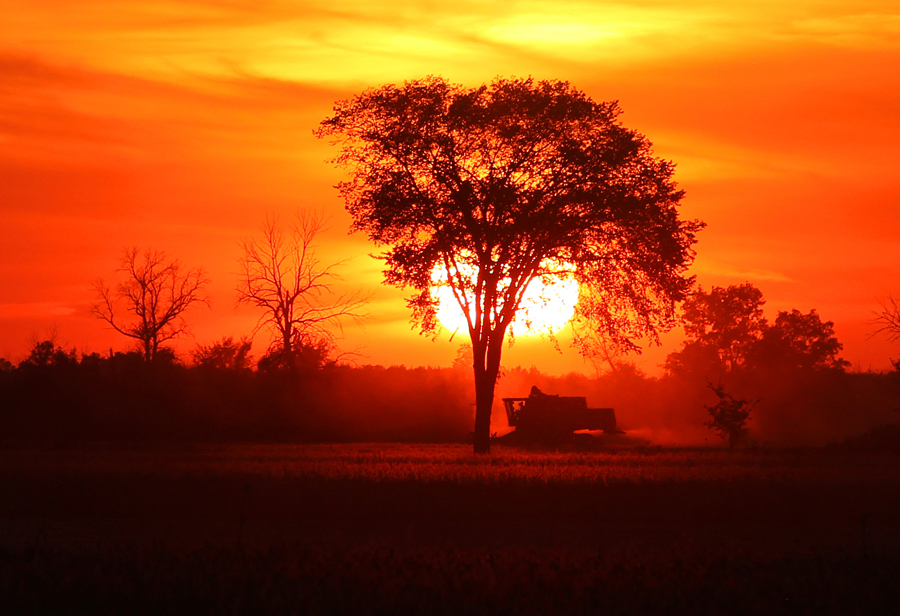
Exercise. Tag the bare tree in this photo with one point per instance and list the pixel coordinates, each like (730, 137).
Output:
(607, 351)
(888, 320)
(281, 274)
(156, 292)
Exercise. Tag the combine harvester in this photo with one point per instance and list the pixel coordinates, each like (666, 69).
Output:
(550, 419)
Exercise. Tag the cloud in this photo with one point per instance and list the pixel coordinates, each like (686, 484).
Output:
(866, 29)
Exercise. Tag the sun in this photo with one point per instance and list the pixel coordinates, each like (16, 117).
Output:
(546, 307)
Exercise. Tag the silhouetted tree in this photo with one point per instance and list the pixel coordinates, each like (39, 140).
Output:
(226, 354)
(497, 185)
(156, 292)
(611, 354)
(695, 359)
(48, 353)
(798, 341)
(729, 416)
(726, 331)
(721, 326)
(306, 354)
(887, 319)
(281, 274)
(464, 357)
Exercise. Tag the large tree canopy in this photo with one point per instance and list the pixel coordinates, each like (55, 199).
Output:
(497, 185)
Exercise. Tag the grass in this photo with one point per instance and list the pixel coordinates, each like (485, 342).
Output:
(456, 464)
(381, 528)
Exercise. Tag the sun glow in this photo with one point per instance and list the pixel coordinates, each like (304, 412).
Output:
(547, 305)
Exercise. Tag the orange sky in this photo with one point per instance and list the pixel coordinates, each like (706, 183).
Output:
(179, 125)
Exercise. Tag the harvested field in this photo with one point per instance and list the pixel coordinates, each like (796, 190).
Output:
(381, 528)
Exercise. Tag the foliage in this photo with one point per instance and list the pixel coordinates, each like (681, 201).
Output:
(119, 396)
(727, 333)
(695, 359)
(47, 353)
(464, 357)
(728, 320)
(282, 276)
(729, 416)
(497, 185)
(157, 292)
(800, 342)
(225, 354)
(306, 354)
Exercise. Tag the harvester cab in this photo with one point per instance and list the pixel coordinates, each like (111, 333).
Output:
(550, 418)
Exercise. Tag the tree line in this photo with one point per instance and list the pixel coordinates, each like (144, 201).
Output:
(57, 396)
(789, 367)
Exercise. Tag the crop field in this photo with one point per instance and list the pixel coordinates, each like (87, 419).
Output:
(385, 528)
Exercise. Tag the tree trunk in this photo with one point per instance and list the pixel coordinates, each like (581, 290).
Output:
(487, 368)
(287, 349)
(484, 400)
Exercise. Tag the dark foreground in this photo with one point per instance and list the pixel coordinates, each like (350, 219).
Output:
(390, 529)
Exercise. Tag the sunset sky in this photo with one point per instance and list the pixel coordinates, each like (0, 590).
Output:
(180, 125)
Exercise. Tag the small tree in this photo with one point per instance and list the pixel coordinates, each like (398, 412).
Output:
(611, 354)
(281, 274)
(497, 185)
(48, 353)
(729, 415)
(463, 359)
(156, 292)
(226, 354)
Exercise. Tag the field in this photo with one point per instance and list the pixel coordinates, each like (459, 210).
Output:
(381, 528)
